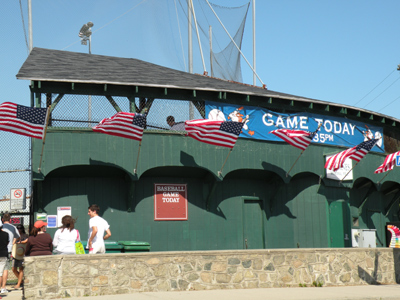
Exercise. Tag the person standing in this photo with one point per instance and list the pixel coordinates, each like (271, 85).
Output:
(97, 227)
(18, 265)
(180, 126)
(14, 235)
(39, 242)
(66, 237)
(4, 240)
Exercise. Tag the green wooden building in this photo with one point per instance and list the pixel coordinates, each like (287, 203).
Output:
(253, 203)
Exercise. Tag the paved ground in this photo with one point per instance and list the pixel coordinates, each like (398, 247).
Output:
(371, 292)
(378, 292)
(12, 294)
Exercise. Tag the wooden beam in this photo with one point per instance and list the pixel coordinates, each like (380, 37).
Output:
(113, 103)
(54, 104)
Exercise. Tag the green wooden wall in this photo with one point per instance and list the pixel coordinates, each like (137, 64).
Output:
(252, 205)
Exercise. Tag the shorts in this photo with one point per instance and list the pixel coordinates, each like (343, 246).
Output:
(3, 261)
(8, 263)
(17, 263)
(98, 249)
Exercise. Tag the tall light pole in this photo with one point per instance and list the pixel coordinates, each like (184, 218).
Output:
(86, 35)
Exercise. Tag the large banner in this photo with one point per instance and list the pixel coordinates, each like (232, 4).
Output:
(260, 121)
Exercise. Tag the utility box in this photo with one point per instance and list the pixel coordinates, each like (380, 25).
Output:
(363, 238)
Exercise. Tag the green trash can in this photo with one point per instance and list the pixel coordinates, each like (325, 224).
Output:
(135, 246)
(111, 247)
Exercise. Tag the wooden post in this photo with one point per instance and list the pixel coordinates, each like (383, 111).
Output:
(349, 172)
(385, 175)
(137, 160)
(220, 171)
(287, 174)
(44, 137)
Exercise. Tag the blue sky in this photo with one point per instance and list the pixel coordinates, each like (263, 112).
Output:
(335, 51)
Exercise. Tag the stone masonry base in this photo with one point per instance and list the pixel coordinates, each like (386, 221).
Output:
(57, 276)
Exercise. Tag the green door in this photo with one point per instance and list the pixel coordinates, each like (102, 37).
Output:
(375, 220)
(339, 214)
(253, 229)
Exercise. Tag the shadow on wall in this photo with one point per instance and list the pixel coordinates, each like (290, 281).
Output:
(396, 258)
(373, 278)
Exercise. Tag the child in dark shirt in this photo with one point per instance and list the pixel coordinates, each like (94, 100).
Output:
(4, 239)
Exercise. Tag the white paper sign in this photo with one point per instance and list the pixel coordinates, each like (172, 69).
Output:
(339, 174)
(61, 212)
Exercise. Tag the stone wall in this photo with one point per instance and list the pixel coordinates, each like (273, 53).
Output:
(58, 276)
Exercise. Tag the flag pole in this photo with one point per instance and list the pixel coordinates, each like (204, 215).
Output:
(349, 171)
(137, 160)
(385, 176)
(287, 174)
(220, 171)
(44, 137)
(230, 151)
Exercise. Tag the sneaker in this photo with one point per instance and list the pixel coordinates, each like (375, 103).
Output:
(3, 291)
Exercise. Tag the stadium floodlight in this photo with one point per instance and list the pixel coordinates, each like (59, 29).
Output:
(85, 34)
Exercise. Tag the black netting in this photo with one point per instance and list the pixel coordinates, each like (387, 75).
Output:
(226, 64)
(166, 28)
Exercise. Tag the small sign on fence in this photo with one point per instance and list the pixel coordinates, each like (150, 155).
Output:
(18, 199)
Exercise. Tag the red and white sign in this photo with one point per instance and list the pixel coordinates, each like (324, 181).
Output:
(170, 202)
(17, 199)
(18, 193)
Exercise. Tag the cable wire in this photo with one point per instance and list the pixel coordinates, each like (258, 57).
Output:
(108, 22)
(382, 92)
(388, 104)
(23, 26)
(180, 36)
(373, 89)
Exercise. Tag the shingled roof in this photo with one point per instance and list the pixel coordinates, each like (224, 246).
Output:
(64, 66)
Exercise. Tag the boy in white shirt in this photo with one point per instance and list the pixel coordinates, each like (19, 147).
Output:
(97, 227)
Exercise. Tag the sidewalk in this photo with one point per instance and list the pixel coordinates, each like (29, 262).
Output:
(12, 294)
(381, 292)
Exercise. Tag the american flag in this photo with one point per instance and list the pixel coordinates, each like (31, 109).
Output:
(23, 120)
(298, 138)
(219, 133)
(388, 164)
(123, 124)
(356, 153)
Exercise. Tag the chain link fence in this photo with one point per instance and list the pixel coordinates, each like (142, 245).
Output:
(80, 111)
(83, 111)
(15, 174)
(14, 170)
